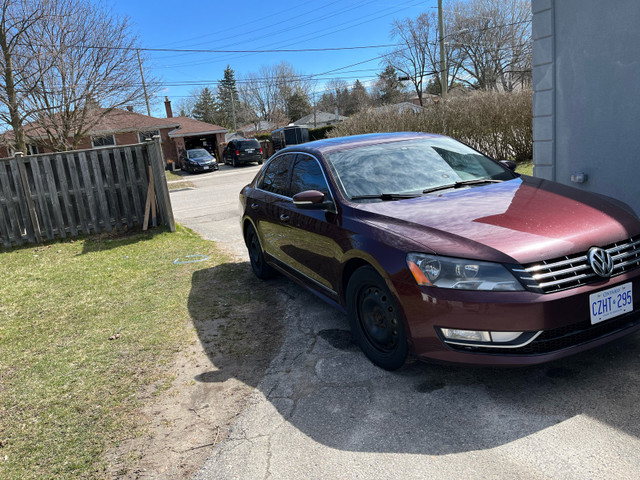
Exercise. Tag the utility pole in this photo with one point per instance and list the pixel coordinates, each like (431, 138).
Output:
(144, 85)
(443, 53)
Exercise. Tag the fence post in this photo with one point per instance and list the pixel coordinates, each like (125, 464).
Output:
(160, 182)
(27, 193)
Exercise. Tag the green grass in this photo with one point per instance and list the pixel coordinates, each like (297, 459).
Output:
(179, 180)
(173, 176)
(525, 168)
(68, 392)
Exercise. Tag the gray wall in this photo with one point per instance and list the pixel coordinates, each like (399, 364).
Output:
(586, 105)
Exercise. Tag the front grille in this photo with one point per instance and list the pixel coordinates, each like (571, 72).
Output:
(563, 337)
(573, 271)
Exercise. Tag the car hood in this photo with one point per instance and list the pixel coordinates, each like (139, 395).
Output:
(522, 220)
(202, 159)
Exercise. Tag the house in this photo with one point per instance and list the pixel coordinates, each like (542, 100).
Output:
(320, 119)
(252, 129)
(125, 127)
(586, 103)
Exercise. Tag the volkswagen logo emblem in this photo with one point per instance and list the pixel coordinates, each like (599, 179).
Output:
(600, 261)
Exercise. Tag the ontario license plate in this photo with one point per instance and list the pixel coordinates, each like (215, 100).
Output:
(205, 168)
(610, 303)
(249, 150)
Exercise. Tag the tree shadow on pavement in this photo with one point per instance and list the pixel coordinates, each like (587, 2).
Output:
(298, 352)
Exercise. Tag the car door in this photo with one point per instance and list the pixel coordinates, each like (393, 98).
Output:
(268, 202)
(309, 243)
(226, 154)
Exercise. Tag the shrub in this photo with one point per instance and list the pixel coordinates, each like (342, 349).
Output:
(498, 124)
(262, 136)
(320, 132)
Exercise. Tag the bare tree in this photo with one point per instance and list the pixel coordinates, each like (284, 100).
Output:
(412, 59)
(268, 92)
(90, 59)
(418, 58)
(17, 75)
(495, 36)
(184, 105)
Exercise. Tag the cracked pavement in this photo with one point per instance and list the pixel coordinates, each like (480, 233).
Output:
(323, 411)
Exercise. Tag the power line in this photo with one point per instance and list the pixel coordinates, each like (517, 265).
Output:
(191, 50)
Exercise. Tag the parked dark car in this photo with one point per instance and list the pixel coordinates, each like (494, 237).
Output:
(238, 152)
(436, 249)
(198, 160)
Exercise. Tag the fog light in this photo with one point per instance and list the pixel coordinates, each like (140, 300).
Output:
(504, 337)
(480, 336)
(466, 335)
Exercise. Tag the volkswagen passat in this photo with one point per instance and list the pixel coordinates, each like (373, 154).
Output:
(433, 248)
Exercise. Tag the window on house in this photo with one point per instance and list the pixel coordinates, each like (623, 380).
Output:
(103, 140)
(31, 149)
(142, 136)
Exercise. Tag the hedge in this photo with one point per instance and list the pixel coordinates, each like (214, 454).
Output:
(499, 124)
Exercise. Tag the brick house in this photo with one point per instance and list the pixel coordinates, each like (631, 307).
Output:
(124, 127)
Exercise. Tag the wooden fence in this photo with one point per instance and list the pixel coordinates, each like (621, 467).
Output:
(60, 195)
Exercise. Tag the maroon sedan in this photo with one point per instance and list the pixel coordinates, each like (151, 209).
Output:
(433, 248)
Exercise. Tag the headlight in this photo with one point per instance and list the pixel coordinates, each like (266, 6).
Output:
(459, 273)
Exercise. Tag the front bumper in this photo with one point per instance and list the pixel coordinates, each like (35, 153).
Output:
(203, 167)
(562, 318)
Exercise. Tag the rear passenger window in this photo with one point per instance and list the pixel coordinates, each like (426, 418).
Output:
(276, 176)
(307, 175)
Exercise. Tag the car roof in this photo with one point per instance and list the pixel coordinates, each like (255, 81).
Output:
(328, 145)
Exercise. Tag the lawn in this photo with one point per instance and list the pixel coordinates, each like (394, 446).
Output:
(177, 181)
(525, 168)
(85, 326)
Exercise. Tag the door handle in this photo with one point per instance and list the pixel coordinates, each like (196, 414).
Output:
(254, 206)
(284, 217)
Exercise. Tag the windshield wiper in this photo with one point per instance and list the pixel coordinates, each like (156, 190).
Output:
(461, 183)
(386, 196)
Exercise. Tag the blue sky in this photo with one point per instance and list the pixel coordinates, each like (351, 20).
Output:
(261, 25)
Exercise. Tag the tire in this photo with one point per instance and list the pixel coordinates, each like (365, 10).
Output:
(260, 268)
(376, 322)
(233, 162)
(260, 162)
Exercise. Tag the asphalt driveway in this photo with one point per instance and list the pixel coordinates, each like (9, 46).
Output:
(323, 411)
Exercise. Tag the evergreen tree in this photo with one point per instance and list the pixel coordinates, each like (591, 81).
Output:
(358, 100)
(229, 100)
(389, 87)
(298, 105)
(205, 108)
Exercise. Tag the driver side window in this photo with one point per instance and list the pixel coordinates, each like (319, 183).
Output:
(307, 175)
(276, 176)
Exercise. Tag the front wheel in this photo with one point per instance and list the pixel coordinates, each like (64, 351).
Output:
(376, 321)
(256, 257)
(260, 162)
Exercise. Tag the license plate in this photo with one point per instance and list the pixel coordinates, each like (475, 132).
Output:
(249, 150)
(610, 303)
(205, 168)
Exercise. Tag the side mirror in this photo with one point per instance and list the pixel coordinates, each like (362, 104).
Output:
(509, 164)
(310, 199)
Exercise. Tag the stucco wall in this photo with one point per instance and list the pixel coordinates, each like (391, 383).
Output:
(586, 107)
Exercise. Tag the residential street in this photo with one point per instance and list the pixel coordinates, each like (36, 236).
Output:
(323, 411)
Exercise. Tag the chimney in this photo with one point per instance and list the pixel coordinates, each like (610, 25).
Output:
(167, 107)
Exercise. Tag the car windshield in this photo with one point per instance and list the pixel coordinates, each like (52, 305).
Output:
(198, 153)
(411, 167)
(248, 144)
